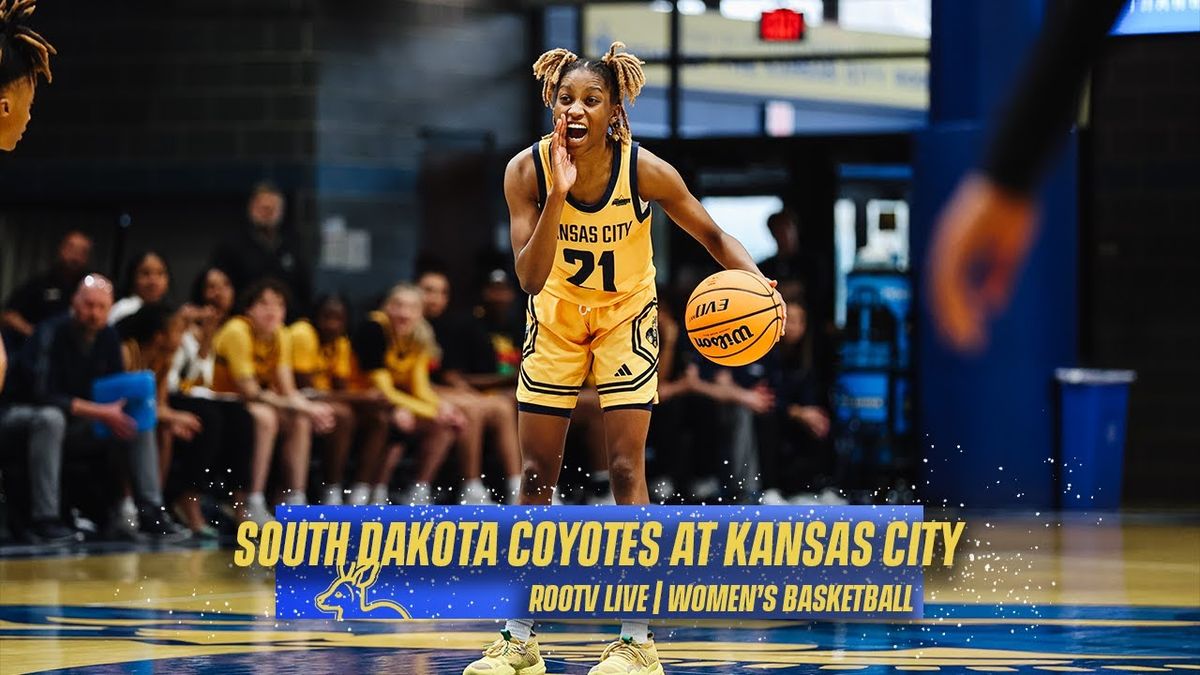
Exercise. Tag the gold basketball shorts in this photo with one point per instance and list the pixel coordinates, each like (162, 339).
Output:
(616, 345)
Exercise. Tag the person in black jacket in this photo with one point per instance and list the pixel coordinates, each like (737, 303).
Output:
(264, 250)
(50, 396)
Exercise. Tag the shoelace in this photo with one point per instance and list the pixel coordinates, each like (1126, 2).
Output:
(628, 650)
(502, 647)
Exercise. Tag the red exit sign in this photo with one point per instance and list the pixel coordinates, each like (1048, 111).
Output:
(781, 25)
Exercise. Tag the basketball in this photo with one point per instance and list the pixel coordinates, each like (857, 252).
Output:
(734, 317)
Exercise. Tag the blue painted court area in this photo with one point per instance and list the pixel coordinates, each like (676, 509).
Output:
(952, 639)
(1030, 594)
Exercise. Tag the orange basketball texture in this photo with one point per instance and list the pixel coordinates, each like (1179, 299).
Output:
(734, 317)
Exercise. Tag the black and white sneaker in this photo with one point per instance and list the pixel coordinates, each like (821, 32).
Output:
(53, 532)
(156, 523)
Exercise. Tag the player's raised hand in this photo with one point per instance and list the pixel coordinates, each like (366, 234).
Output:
(561, 165)
(979, 245)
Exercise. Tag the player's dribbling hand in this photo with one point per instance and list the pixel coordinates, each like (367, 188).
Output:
(562, 166)
(979, 244)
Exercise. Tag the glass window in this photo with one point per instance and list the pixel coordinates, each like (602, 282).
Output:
(745, 219)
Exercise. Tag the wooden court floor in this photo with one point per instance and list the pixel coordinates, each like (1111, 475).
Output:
(1029, 594)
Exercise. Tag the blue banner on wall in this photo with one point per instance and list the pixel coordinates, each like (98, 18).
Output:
(458, 562)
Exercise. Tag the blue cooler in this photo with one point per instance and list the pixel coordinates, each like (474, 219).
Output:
(1091, 453)
(140, 394)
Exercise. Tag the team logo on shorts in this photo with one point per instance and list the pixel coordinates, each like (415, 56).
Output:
(652, 332)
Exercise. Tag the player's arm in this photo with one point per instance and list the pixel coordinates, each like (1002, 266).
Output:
(658, 181)
(535, 234)
(1042, 107)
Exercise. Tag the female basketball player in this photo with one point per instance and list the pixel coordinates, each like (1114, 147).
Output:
(581, 238)
(23, 56)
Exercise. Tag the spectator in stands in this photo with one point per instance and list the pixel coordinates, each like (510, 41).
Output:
(503, 318)
(52, 391)
(468, 359)
(211, 305)
(701, 415)
(395, 347)
(798, 272)
(149, 339)
(264, 250)
(146, 282)
(3, 365)
(226, 447)
(327, 370)
(254, 360)
(794, 436)
(48, 293)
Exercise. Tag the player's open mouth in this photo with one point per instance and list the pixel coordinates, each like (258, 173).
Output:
(576, 132)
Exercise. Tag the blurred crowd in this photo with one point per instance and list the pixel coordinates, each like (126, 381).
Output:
(264, 394)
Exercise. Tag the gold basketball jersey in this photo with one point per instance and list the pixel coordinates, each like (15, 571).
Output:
(604, 252)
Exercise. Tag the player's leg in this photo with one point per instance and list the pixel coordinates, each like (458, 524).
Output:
(266, 429)
(373, 419)
(337, 450)
(554, 361)
(502, 419)
(625, 353)
(625, 431)
(542, 438)
(470, 443)
(297, 450)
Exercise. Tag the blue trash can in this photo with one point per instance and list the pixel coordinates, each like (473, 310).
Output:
(1091, 449)
(140, 394)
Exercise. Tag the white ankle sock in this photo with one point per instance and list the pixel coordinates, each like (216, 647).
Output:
(514, 487)
(520, 629)
(638, 630)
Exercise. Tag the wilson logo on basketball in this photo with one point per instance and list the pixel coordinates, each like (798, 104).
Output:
(725, 340)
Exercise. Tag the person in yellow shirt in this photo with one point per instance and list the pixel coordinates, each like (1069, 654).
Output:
(253, 359)
(326, 369)
(395, 346)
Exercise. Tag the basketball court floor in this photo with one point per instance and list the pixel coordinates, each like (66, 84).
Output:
(1028, 594)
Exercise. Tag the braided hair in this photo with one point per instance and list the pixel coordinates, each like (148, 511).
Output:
(620, 71)
(23, 53)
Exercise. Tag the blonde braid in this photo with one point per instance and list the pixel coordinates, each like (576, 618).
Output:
(548, 68)
(630, 80)
(12, 24)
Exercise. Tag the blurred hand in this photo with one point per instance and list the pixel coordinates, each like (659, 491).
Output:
(812, 417)
(404, 420)
(984, 230)
(185, 425)
(451, 416)
(322, 416)
(691, 377)
(758, 400)
(112, 415)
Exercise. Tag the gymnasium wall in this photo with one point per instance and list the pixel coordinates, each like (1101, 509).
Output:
(1141, 308)
(175, 108)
